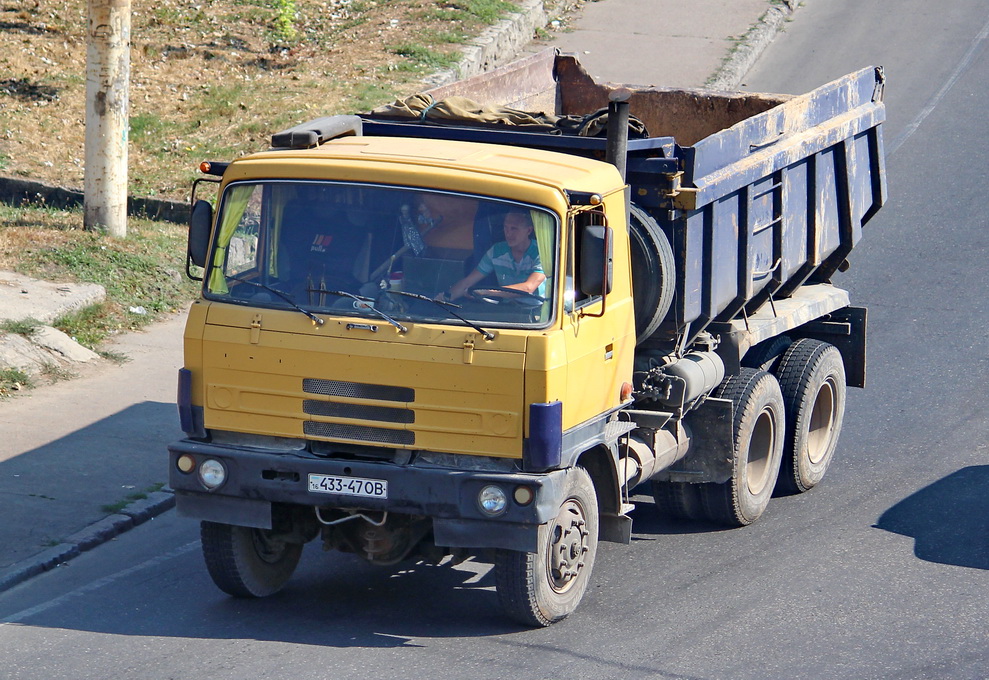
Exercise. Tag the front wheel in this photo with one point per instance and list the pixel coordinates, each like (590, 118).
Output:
(246, 562)
(541, 588)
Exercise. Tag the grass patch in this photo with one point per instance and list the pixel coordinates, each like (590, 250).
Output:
(442, 14)
(55, 373)
(424, 56)
(115, 357)
(22, 327)
(369, 95)
(218, 102)
(112, 508)
(89, 326)
(143, 270)
(285, 20)
(13, 380)
(485, 11)
(147, 130)
(445, 36)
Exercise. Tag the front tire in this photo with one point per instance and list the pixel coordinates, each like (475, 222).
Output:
(757, 434)
(541, 588)
(812, 377)
(247, 562)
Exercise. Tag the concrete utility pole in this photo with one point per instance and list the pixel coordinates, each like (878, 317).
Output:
(107, 95)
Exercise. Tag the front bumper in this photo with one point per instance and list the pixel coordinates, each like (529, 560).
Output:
(256, 479)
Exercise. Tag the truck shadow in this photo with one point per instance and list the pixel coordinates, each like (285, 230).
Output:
(947, 519)
(60, 487)
(338, 600)
(649, 523)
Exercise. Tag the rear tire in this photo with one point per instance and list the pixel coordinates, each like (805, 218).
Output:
(758, 428)
(246, 562)
(812, 378)
(679, 500)
(766, 354)
(541, 588)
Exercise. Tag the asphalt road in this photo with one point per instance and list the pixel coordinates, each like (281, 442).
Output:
(881, 572)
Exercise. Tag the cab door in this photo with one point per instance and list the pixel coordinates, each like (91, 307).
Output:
(598, 325)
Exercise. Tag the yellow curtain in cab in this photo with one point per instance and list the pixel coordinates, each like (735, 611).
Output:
(542, 227)
(233, 209)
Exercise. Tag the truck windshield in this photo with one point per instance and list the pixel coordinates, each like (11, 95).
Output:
(292, 244)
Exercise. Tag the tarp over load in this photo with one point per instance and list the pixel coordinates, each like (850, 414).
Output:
(458, 110)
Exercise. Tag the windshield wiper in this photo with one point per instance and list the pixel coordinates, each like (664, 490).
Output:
(488, 335)
(285, 296)
(368, 302)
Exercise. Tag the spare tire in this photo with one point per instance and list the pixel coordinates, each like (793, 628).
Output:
(653, 272)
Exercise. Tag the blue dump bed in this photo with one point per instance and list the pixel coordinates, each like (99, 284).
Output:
(757, 194)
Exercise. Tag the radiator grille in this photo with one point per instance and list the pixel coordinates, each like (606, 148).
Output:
(359, 433)
(385, 414)
(341, 388)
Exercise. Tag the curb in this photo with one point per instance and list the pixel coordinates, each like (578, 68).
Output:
(92, 536)
(18, 192)
(496, 45)
(729, 76)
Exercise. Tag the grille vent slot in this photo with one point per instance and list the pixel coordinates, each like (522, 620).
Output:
(385, 414)
(359, 433)
(341, 388)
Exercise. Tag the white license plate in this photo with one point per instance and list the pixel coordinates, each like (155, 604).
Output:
(348, 486)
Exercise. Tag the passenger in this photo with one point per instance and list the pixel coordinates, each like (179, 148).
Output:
(514, 261)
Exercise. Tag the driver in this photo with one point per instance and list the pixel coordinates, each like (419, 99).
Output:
(515, 261)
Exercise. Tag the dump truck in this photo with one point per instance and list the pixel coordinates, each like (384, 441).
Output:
(485, 321)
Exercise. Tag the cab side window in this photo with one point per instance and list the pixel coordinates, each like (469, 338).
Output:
(574, 297)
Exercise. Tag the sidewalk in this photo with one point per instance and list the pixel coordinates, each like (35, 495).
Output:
(69, 450)
(672, 43)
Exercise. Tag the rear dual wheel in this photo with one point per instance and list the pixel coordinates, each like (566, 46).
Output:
(757, 447)
(758, 426)
(812, 378)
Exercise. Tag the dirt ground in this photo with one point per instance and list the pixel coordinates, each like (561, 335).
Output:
(211, 78)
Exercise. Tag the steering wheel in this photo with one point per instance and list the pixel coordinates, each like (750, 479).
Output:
(495, 295)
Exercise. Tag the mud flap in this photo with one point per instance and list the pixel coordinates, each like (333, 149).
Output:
(711, 442)
(244, 512)
(479, 533)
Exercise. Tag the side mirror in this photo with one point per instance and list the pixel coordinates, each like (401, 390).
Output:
(596, 266)
(200, 224)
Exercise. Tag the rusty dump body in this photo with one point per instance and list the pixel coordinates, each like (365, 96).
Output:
(758, 194)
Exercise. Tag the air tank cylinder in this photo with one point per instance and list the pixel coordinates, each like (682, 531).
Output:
(643, 460)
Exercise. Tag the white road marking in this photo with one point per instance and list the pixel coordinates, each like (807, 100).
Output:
(966, 61)
(99, 583)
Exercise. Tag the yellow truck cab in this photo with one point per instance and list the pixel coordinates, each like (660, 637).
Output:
(428, 338)
(325, 383)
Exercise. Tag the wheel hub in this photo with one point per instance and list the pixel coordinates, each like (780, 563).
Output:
(821, 428)
(267, 548)
(568, 545)
(759, 455)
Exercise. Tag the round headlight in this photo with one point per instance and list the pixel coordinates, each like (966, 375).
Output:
(212, 473)
(492, 500)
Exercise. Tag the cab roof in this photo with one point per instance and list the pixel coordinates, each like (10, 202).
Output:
(564, 171)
